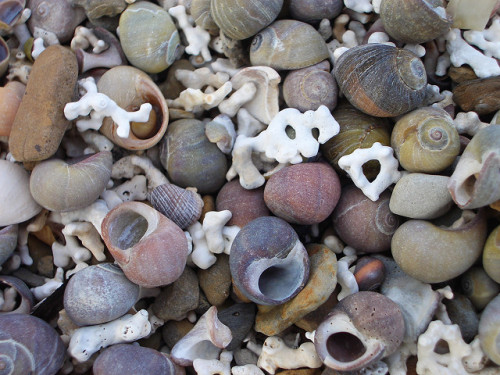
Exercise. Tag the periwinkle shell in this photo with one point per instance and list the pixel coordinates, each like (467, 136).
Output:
(206, 166)
(58, 185)
(489, 330)
(268, 263)
(304, 193)
(98, 294)
(414, 21)
(245, 204)
(127, 359)
(363, 224)
(241, 19)
(381, 80)
(308, 88)
(425, 140)
(491, 255)
(29, 345)
(302, 46)
(148, 36)
(312, 11)
(362, 328)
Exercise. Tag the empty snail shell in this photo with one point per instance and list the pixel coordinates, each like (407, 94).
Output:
(241, 19)
(148, 36)
(25, 301)
(312, 11)
(61, 186)
(381, 80)
(414, 21)
(361, 329)
(357, 130)
(302, 46)
(425, 140)
(491, 255)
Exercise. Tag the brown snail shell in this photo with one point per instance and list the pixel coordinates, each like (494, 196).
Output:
(414, 21)
(489, 330)
(425, 140)
(434, 254)
(362, 328)
(491, 255)
(241, 19)
(357, 130)
(130, 87)
(381, 80)
(302, 46)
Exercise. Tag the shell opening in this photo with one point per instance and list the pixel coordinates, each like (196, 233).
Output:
(280, 282)
(345, 347)
(128, 230)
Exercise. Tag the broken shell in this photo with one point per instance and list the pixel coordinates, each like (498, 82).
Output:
(489, 330)
(29, 345)
(241, 19)
(60, 186)
(362, 328)
(99, 294)
(206, 167)
(15, 197)
(10, 99)
(435, 254)
(148, 36)
(150, 248)
(304, 193)
(479, 287)
(10, 12)
(313, 11)
(476, 181)
(181, 206)
(129, 88)
(491, 255)
(357, 130)
(202, 15)
(414, 21)
(8, 242)
(363, 224)
(26, 297)
(268, 263)
(425, 140)
(308, 88)
(381, 80)
(305, 46)
(127, 359)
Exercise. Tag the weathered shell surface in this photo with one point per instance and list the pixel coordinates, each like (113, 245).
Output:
(241, 19)
(148, 36)
(202, 15)
(98, 294)
(8, 241)
(10, 12)
(312, 11)
(15, 197)
(491, 255)
(425, 140)
(479, 287)
(60, 186)
(29, 345)
(489, 330)
(95, 9)
(181, 206)
(381, 80)
(435, 254)
(302, 46)
(414, 21)
(25, 304)
(268, 263)
(363, 328)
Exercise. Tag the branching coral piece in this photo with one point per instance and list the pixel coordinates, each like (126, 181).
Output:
(97, 141)
(72, 250)
(99, 105)
(45, 290)
(248, 369)
(221, 366)
(275, 354)
(213, 223)
(276, 144)
(132, 165)
(241, 96)
(389, 174)
(197, 38)
(190, 99)
(361, 6)
(86, 341)
(93, 213)
(89, 237)
(463, 53)
(221, 131)
(468, 123)
(488, 39)
(346, 278)
(199, 78)
(132, 190)
(84, 38)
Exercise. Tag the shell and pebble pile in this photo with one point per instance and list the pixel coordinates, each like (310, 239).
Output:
(250, 187)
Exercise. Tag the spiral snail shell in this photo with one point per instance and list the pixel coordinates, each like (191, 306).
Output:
(381, 80)
(425, 140)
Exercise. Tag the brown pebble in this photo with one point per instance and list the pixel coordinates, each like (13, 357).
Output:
(369, 273)
(172, 331)
(480, 95)
(40, 124)
(461, 73)
(216, 280)
(208, 205)
(301, 371)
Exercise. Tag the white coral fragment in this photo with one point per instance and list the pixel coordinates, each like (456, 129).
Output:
(132, 165)
(249, 369)
(345, 277)
(199, 78)
(86, 341)
(84, 38)
(389, 174)
(221, 366)
(276, 144)
(361, 6)
(488, 40)
(99, 105)
(191, 99)
(50, 285)
(463, 53)
(468, 123)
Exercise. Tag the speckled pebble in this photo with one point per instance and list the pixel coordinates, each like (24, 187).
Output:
(216, 280)
(421, 196)
(172, 331)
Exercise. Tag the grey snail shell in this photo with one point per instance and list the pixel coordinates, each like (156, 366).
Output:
(381, 80)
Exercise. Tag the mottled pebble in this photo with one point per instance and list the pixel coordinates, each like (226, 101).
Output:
(216, 280)
(172, 331)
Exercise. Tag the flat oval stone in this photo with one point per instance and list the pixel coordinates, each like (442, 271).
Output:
(479, 95)
(216, 280)
(40, 124)
(421, 196)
